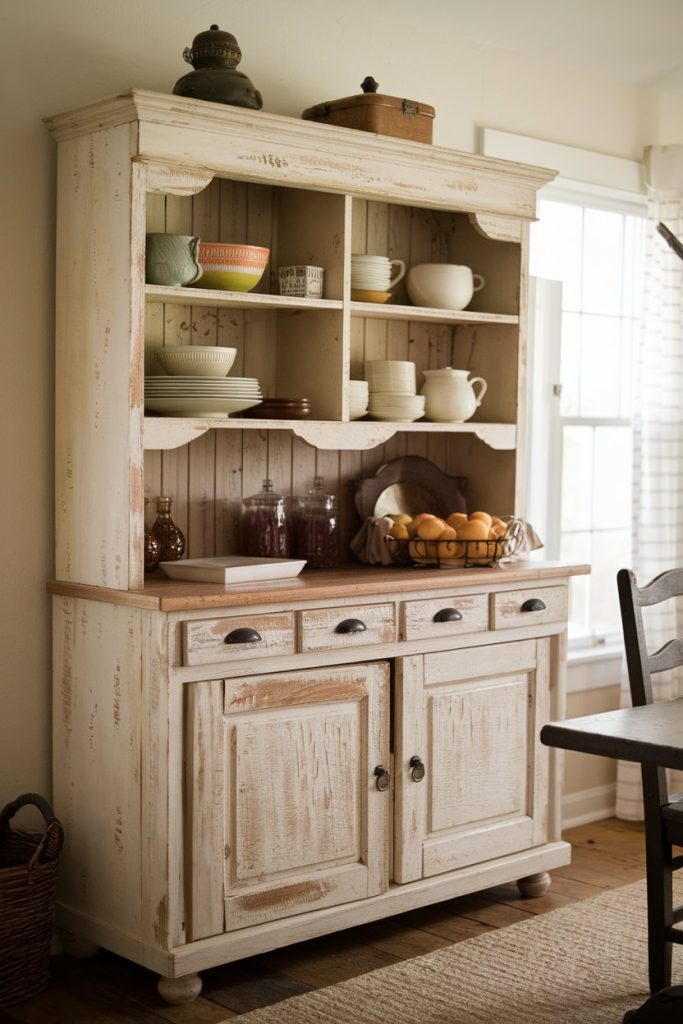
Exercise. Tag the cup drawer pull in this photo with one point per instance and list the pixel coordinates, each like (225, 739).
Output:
(533, 604)
(246, 635)
(448, 615)
(350, 626)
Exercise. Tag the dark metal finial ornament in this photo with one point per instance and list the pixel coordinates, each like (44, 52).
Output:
(214, 56)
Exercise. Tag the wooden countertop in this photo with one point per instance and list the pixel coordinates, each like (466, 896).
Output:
(162, 594)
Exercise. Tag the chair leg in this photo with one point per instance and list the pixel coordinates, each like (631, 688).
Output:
(659, 907)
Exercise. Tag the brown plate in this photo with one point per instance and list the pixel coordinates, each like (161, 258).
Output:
(279, 413)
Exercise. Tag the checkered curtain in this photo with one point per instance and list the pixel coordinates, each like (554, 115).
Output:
(658, 438)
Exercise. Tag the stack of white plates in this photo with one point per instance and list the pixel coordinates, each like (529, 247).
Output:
(391, 384)
(358, 399)
(396, 408)
(201, 396)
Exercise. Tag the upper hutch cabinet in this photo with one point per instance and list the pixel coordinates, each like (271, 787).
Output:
(148, 162)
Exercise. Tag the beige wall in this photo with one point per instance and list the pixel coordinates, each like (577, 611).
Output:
(58, 55)
(583, 771)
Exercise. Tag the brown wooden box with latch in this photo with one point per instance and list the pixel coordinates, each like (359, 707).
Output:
(370, 111)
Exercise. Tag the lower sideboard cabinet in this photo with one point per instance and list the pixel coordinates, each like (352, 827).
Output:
(219, 802)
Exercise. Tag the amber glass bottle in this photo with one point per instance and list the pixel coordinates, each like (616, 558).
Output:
(170, 537)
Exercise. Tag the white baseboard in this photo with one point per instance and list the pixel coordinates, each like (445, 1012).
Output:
(589, 805)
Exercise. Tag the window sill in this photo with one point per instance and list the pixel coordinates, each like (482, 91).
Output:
(594, 668)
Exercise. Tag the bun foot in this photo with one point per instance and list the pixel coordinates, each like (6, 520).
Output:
(178, 991)
(534, 885)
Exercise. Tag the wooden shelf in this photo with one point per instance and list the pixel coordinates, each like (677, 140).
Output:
(424, 314)
(369, 310)
(166, 432)
(233, 300)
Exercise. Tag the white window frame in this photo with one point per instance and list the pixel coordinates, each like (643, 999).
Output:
(611, 183)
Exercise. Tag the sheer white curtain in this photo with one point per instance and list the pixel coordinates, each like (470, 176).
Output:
(658, 433)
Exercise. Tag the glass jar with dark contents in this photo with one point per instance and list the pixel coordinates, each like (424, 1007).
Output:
(316, 528)
(266, 531)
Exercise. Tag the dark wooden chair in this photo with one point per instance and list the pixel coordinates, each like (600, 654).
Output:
(663, 812)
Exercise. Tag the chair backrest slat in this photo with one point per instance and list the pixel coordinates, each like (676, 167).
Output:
(663, 587)
(667, 657)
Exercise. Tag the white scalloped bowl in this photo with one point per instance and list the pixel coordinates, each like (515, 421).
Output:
(196, 360)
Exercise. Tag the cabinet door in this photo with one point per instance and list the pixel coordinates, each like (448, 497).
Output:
(473, 718)
(284, 792)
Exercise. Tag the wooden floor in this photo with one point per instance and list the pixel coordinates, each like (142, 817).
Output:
(107, 989)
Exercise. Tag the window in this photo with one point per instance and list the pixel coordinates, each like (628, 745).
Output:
(586, 250)
(593, 247)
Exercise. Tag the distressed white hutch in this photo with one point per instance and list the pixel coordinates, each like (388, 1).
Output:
(224, 799)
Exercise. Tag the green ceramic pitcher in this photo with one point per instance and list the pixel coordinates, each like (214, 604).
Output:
(171, 260)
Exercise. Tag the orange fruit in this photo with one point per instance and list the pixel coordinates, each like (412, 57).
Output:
(474, 529)
(415, 522)
(430, 528)
(482, 551)
(484, 516)
(399, 531)
(421, 550)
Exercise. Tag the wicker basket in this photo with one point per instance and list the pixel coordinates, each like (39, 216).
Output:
(28, 874)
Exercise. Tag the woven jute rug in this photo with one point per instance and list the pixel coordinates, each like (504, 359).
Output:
(582, 964)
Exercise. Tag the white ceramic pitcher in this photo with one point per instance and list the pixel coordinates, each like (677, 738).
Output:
(450, 397)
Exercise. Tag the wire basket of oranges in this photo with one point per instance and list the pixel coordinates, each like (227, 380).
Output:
(478, 540)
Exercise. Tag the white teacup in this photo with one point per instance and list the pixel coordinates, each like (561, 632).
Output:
(442, 285)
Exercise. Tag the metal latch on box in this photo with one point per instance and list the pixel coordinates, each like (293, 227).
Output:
(410, 108)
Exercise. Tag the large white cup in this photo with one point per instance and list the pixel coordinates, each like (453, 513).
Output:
(442, 285)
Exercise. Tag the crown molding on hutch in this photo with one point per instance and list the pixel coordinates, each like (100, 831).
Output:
(297, 152)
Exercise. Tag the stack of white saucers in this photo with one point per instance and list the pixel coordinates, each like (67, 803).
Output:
(201, 396)
(391, 384)
(358, 399)
(396, 408)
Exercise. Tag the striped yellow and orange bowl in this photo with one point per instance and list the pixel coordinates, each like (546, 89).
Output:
(230, 267)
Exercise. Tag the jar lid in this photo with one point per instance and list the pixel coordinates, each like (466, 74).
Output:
(213, 48)
(266, 496)
(317, 497)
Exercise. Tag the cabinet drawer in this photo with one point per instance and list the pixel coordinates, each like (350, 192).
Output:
(327, 629)
(528, 607)
(445, 616)
(237, 637)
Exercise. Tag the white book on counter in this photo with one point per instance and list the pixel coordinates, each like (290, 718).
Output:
(232, 569)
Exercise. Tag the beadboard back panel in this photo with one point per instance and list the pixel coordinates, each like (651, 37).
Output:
(311, 353)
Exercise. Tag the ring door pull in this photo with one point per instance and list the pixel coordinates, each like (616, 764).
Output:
(417, 767)
(448, 615)
(350, 626)
(533, 604)
(383, 778)
(246, 635)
